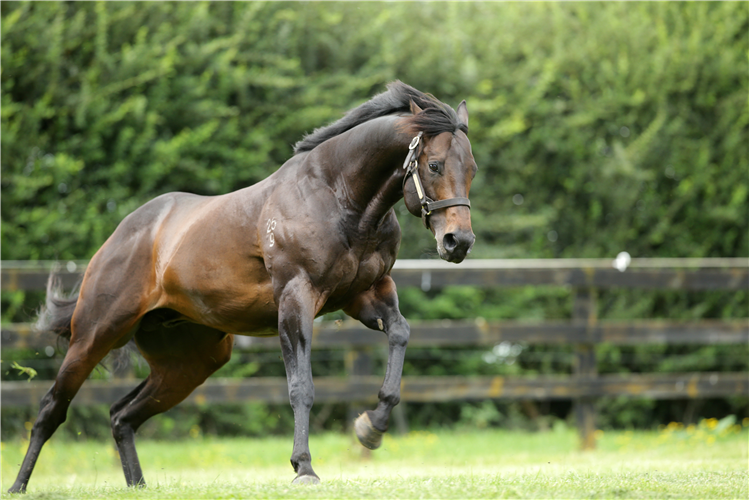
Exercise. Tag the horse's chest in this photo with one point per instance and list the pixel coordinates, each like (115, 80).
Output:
(370, 270)
(364, 272)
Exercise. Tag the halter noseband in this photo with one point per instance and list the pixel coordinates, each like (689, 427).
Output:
(411, 165)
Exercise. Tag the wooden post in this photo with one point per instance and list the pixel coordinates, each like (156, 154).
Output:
(358, 363)
(400, 419)
(584, 313)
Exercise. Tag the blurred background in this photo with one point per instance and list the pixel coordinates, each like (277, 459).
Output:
(597, 127)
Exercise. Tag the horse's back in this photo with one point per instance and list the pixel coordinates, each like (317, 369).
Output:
(131, 245)
(132, 262)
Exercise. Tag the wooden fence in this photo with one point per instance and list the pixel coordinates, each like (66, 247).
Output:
(583, 331)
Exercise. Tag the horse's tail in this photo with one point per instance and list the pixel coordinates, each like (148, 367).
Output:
(56, 316)
(57, 312)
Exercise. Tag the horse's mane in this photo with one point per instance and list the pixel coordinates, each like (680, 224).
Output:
(436, 118)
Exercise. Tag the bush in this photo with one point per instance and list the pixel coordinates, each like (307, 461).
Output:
(598, 127)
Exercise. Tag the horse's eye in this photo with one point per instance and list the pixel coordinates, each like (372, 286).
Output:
(434, 167)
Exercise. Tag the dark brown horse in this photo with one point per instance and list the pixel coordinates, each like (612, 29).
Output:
(183, 274)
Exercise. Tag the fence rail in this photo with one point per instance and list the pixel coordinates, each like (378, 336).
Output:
(684, 274)
(363, 389)
(583, 330)
(446, 333)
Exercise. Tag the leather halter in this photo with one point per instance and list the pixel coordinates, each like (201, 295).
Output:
(411, 165)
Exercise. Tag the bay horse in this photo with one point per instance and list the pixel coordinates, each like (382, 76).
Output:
(183, 274)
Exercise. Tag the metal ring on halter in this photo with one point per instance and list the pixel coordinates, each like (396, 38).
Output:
(412, 157)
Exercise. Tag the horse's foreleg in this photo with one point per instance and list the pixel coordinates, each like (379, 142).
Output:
(371, 425)
(378, 309)
(295, 315)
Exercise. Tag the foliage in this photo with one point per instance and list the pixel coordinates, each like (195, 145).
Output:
(598, 127)
(29, 372)
(621, 126)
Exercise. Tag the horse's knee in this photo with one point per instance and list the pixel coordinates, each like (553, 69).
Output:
(301, 397)
(399, 333)
(301, 400)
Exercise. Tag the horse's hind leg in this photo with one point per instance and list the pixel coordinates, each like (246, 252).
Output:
(181, 359)
(87, 348)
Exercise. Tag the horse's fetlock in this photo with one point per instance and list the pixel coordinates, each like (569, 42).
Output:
(391, 399)
(299, 459)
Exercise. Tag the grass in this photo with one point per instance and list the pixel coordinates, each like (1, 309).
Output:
(675, 462)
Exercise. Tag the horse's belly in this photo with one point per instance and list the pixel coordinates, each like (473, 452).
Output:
(250, 312)
(229, 305)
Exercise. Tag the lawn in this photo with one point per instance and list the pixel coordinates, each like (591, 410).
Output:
(705, 461)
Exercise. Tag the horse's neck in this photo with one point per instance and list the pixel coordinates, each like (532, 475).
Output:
(367, 167)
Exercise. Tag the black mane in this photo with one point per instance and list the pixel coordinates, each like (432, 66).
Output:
(436, 117)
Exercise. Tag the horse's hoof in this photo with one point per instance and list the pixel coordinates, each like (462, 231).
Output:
(306, 479)
(15, 489)
(368, 436)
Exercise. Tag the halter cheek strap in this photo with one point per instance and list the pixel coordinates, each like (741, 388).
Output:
(411, 166)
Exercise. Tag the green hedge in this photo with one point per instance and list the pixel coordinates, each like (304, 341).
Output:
(623, 126)
(597, 127)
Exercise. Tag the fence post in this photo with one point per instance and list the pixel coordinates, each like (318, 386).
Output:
(358, 364)
(584, 313)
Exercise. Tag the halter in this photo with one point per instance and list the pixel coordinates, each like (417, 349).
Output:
(411, 165)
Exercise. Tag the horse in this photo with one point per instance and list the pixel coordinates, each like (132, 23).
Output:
(183, 274)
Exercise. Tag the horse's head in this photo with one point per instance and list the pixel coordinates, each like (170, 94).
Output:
(439, 171)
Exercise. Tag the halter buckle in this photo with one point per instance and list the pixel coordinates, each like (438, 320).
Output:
(415, 141)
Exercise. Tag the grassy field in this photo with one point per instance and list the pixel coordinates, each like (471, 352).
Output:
(697, 462)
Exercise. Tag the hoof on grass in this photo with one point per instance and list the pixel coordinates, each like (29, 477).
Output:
(306, 479)
(368, 436)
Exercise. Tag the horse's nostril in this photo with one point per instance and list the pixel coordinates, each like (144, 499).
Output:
(450, 242)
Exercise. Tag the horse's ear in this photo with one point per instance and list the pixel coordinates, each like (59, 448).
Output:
(463, 114)
(415, 109)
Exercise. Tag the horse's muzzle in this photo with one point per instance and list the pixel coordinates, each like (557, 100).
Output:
(457, 245)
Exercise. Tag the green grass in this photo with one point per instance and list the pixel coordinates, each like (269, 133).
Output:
(672, 463)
